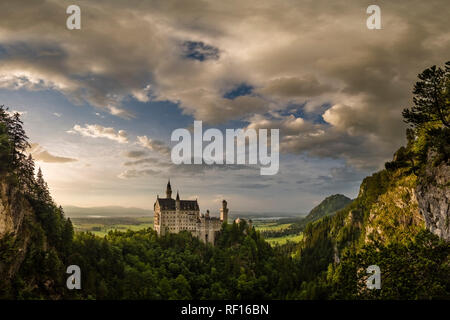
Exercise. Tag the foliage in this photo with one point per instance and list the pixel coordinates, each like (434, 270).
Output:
(418, 269)
(36, 256)
(430, 115)
(141, 265)
(431, 99)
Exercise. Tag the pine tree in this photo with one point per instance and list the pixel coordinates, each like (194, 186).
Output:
(29, 181)
(431, 99)
(19, 140)
(67, 234)
(5, 142)
(42, 191)
(13, 142)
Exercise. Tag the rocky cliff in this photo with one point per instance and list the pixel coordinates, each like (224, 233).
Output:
(15, 212)
(433, 196)
(13, 209)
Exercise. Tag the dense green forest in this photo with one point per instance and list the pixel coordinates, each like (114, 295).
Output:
(329, 263)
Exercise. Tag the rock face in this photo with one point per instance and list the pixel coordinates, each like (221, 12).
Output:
(13, 209)
(433, 196)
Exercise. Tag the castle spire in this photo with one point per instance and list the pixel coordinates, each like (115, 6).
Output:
(169, 190)
(178, 202)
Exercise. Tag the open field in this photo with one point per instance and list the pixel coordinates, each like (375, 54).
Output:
(271, 226)
(276, 226)
(101, 226)
(284, 239)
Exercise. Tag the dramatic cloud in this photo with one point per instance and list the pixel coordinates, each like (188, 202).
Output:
(307, 52)
(40, 154)
(154, 145)
(98, 131)
(299, 136)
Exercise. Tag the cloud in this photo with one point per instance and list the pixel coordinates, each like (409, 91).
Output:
(154, 145)
(40, 154)
(135, 154)
(299, 136)
(145, 161)
(58, 115)
(307, 52)
(134, 173)
(294, 87)
(98, 131)
(254, 186)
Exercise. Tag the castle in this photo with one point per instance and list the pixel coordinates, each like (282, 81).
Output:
(175, 215)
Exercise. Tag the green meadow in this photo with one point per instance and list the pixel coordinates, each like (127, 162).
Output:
(101, 226)
(284, 239)
(276, 226)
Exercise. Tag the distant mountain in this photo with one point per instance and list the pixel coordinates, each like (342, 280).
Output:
(108, 211)
(327, 207)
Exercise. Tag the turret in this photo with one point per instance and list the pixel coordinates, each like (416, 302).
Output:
(224, 212)
(169, 191)
(177, 202)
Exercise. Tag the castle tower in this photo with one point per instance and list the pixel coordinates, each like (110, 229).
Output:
(224, 212)
(169, 191)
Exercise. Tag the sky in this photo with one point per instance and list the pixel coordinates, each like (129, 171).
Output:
(99, 104)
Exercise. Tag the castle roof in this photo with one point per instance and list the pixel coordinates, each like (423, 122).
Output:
(170, 204)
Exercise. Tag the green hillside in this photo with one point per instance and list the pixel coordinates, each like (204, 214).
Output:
(328, 207)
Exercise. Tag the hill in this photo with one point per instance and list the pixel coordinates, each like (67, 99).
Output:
(328, 207)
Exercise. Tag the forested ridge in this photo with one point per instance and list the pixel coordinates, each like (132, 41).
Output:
(382, 226)
(329, 206)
